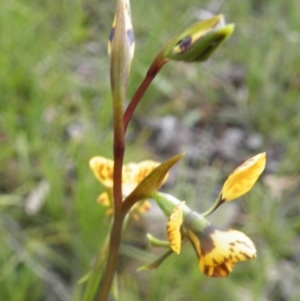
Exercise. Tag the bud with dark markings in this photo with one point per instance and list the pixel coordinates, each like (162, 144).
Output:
(199, 41)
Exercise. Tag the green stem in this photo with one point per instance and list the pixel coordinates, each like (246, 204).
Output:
(156, 242)
(120, 60)
(155, 264)
(217, 203)
(120, 64)
(168, 202)
(116, 231)
(112, 260)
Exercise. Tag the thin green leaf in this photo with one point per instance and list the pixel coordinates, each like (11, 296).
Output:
(155, 264)
(156, 242)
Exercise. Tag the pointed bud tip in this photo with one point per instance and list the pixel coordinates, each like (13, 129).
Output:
(227, 30)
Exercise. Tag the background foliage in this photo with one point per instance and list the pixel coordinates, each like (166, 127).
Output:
(56, 114)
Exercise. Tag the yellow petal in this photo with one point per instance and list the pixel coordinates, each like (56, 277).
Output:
(173, 228)
(142, 207)
(109, 212)
(230, 245)
(220, 271)
(139, 208)
(103, 199)
(218, 250)
(134, 216)
(242, 179)
(103, 170)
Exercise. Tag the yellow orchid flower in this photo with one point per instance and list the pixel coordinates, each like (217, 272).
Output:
(132, 175)
(217, 250)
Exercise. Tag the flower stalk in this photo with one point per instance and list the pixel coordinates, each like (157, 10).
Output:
(120, 48)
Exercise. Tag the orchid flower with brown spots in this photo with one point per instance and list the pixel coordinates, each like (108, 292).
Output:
(132, 175)
(217, 250)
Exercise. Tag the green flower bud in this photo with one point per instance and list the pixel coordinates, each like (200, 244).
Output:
(198, 41)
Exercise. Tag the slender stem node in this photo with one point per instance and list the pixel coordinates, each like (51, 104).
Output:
(219, 201)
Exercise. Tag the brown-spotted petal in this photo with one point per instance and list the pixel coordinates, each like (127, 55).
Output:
(104, 199)
(173, 228)
(103, 170)
(140, 208)
(218, 250)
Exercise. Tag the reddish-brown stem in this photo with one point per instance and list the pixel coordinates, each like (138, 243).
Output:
(116, 231)
(152, 72)
(119, 148)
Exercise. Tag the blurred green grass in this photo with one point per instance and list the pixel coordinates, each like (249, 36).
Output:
(56, 114)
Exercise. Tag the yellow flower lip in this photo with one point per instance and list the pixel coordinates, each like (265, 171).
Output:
(218, 250)
(242, 179)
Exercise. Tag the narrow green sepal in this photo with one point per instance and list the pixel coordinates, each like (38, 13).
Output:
(155, 264)
(155, 242)
(84, 278)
